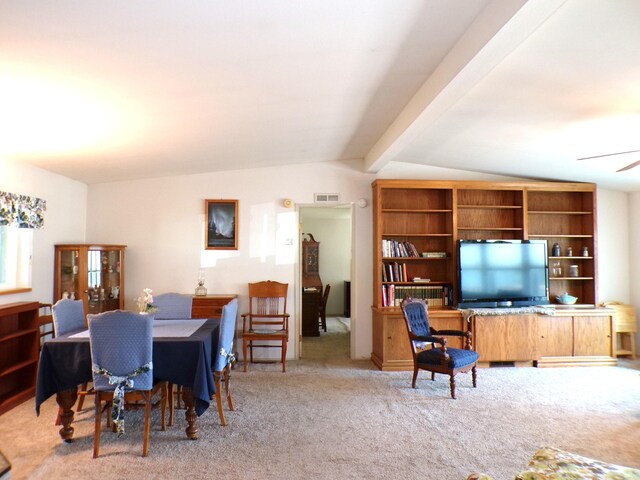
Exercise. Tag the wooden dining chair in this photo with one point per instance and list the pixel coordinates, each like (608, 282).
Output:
(68, 316)
(322, 309)
(224, 359)
(122, 365)
(267, 320)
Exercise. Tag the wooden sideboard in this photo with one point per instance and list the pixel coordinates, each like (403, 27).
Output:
(570, 337)
(209, 306)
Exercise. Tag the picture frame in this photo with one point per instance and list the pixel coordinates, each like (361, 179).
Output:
(221, 232)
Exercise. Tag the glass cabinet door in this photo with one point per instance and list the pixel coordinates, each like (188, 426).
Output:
(69, 274)
(103, 280)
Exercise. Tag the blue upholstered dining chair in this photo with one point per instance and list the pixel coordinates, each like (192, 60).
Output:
(172, 306)
(224, 358)
(428, 356)
(122, 365)
(68, 316)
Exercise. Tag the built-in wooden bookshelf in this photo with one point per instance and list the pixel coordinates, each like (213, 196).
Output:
(426, 216)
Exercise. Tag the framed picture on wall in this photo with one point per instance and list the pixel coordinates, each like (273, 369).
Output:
(222, 224)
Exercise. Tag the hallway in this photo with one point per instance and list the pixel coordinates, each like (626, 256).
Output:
(332, 346)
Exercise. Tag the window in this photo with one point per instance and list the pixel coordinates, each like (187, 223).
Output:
(16, 248)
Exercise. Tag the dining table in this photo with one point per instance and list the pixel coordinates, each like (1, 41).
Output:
(182, 355)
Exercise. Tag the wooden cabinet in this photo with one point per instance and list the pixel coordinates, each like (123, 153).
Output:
(505, 338)
(570, 337)
(209, 306)
(19, 346)
(311, 299)
(391, 348)
(91, 273)
(577, 337)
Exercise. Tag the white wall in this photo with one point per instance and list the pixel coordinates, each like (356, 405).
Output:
(334, 235)
(634, 255)
(64, 220)
(613, 246)
(162, 222)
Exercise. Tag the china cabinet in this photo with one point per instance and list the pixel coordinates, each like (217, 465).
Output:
(92, 273)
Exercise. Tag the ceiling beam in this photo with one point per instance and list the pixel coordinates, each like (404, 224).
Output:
(494, 34)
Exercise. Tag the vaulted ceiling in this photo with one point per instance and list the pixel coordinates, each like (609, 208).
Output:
(101, 91)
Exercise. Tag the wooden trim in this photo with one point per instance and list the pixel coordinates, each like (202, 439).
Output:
(15, 290)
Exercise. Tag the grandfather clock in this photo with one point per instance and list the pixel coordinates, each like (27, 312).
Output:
(311, 286)
(310, 262)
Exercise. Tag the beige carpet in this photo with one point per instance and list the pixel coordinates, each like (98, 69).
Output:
(332, 418)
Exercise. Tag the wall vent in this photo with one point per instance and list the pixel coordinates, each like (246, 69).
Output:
(327, 198)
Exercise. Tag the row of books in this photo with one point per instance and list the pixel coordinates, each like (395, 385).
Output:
(394, 272)
(393, 248)
(435, 295)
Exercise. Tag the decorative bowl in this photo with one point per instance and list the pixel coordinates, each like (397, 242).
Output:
(566, 299)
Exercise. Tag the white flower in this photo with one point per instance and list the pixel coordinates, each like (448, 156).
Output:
(145, 302)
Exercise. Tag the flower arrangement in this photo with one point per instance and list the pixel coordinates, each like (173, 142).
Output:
(145, 302)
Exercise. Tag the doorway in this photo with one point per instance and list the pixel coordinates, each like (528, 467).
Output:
(332, 227)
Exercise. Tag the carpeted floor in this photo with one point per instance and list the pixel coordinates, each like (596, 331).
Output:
(332, 418)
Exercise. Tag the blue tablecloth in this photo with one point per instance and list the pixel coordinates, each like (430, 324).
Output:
(65, 363)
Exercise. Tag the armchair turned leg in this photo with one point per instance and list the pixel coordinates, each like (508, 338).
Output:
(415, 377)
(473, 376)
(452, 383)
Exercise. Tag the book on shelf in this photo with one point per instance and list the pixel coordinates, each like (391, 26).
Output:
(394, 272)
(394, 248)
(435, 295)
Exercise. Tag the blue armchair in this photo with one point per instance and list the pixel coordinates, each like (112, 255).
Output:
(428, 356)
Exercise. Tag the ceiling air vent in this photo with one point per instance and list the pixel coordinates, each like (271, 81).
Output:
(327, 198)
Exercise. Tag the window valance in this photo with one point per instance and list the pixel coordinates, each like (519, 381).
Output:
(21, 210)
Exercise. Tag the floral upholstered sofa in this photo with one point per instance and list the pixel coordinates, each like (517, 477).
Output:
(551, 463)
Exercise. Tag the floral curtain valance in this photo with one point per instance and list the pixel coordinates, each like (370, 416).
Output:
(21, 211)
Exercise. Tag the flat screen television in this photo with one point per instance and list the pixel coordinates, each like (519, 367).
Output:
(502, 273)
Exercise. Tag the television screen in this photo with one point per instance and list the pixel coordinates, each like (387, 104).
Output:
(496, 273)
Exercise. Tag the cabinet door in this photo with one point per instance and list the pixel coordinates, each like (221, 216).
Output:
(505, 338)
(104, 279)
(69, 281)
(555, 336)
(593, 336)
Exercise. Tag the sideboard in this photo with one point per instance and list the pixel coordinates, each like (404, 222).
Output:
(568, 337)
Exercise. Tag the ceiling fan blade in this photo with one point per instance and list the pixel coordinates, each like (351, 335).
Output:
(630, 166)
(609, 155)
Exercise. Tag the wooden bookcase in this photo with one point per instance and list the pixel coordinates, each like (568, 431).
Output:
(19, 347)
(433, 215)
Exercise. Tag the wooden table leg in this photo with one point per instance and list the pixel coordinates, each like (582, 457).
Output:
(66, 400)
(190, 405)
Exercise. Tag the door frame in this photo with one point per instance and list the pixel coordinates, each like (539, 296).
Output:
(298, 275)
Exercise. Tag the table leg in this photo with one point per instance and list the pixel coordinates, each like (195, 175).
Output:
(190, 405)
(66, 400)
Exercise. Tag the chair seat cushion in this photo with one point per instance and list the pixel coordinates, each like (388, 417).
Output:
(266, 331)
(457, 357)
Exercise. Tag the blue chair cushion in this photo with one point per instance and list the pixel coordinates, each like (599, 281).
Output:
(457, 357)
